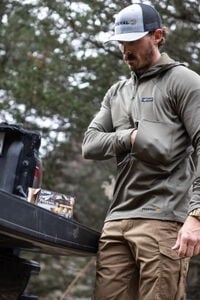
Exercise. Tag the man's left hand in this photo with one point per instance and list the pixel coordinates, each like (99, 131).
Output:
(188, 240)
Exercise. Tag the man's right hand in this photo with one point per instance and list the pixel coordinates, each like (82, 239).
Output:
(133, 136)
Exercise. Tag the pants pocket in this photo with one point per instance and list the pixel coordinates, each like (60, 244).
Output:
(173, 272)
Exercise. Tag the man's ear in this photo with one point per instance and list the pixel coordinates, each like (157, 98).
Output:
(158, 35)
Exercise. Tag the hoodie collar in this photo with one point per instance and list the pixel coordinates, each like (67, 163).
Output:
(163, 64)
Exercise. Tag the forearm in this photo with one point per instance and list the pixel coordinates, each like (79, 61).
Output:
(195, 200)
(104, 145)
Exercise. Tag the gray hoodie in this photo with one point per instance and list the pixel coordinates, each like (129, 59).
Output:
(159, 176)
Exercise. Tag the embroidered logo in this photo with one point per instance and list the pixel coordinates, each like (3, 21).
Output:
(147, 99)
(149, 209)
(133, 21)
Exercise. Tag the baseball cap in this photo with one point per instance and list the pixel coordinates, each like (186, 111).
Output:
(134, 22)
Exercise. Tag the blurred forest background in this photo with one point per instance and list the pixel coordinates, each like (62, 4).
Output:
(54, 72)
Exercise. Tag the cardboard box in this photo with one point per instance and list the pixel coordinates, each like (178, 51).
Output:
(58, 203)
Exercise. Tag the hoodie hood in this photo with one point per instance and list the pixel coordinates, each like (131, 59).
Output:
(164, 64)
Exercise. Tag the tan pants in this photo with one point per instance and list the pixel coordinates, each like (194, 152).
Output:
(135, 262)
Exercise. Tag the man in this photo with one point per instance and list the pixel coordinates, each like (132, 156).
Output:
(151, 124)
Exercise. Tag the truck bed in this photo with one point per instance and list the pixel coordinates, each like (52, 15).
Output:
(27, 226)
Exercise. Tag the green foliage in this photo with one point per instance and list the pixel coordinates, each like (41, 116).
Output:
(55, 70)
(54, 62)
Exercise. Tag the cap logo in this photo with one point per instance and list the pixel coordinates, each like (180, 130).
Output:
(133, 21)
(121, 23)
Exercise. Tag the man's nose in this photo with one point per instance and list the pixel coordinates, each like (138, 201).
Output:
(126, 48)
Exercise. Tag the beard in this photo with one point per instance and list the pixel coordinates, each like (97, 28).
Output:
(140, 62)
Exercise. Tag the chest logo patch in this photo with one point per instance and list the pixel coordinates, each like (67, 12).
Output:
(147, 99)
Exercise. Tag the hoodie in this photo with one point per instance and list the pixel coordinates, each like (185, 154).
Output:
(158, 177)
